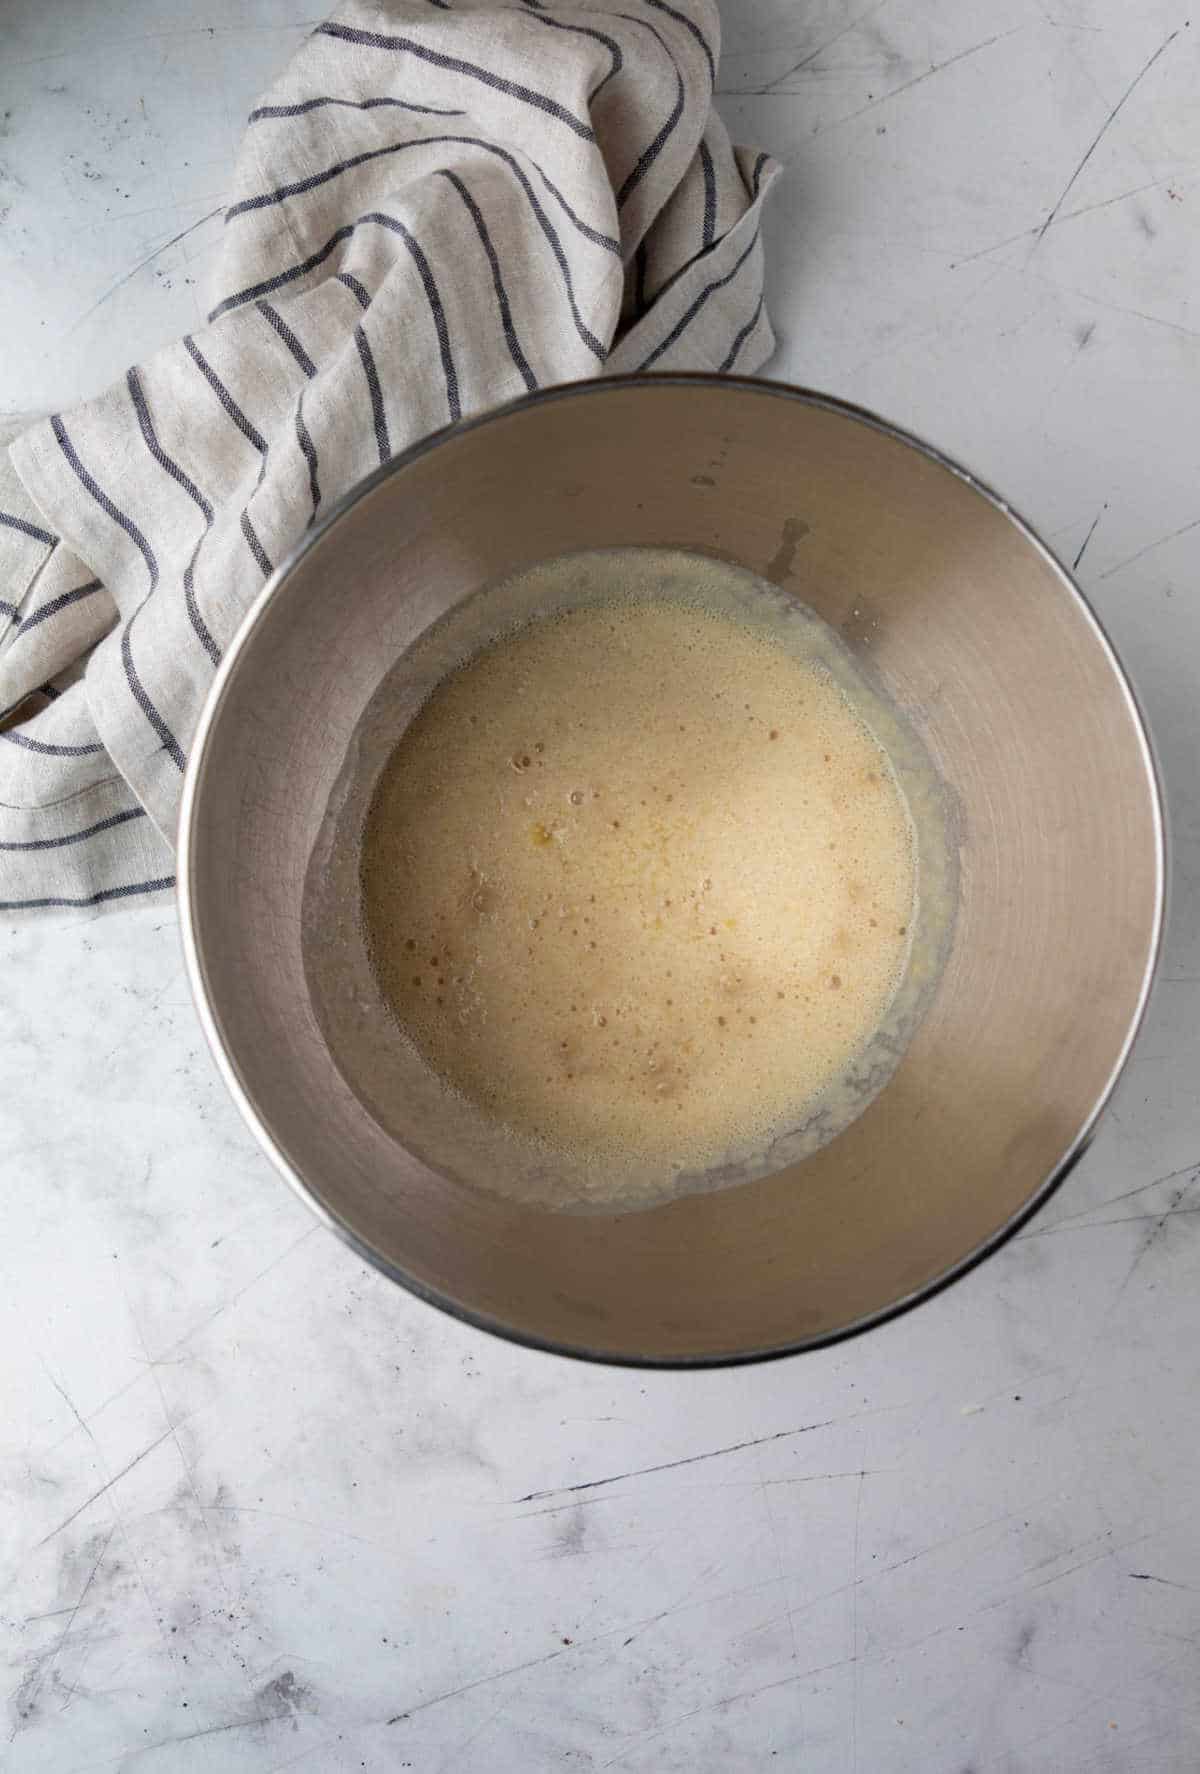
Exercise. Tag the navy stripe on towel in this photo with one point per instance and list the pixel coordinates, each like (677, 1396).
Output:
(98, 898)
(104, 502)
(378, 415)
(53, 605)
(317, 104)
(648, 156)
(607, 241)
(10, 521)
(273, 317)
(455, 65)
(367, 359)
(254, 545)
(743, 334)
(616, 59)
(708, 234)
(184, 480)
(506, 319)
(250, 432)
(50, 751)
(307, 447)
(685, 320)
(693, 27)
(357, 290)
(435, 306)
(101, 825)
(137, 689)
(300, 187)
(281, 278)
(310, 455)
(336, 239)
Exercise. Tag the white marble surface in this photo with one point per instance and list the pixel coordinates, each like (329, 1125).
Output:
(260, 1510)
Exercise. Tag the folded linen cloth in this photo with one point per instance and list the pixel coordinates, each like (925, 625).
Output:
(442, 204)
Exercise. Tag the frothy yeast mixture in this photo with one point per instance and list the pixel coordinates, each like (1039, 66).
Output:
(638, 881)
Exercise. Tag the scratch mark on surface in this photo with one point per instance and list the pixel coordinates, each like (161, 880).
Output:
(1006, 1600)
(96, 1495)
(1059, 1576)
(479, 1682)
(828, 1477)
(113, 1504)
(1173, 1207)
(943, 326)
(43, 1665)
(141, 266)
(645, 1625)
(1100, 134)
(854, 1639)
(142, 37)
(1160, 542)
(205, 1731)
(736, 1447)
(779, 1563)
(1172, 326)
(102, 1406)
(162, 1401)
(1184, 1170)
(918, 79)
(66, 1398)
(785, 1681)
(807, 61)
(855, 1659)
(558, 1508)
(994, 1521)
(1126, 1219)
(233, 1299)
(458, 1749)
(1072, 215)
(318, 1527)
(1149, 1577)
(313, 1749)
(1054, 1730)
(1092, 530)
(1159, 1221)
(627, 1632)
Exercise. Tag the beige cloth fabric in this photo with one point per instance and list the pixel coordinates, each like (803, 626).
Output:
(442, 205)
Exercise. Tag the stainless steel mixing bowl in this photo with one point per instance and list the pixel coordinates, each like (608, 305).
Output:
(981, 638)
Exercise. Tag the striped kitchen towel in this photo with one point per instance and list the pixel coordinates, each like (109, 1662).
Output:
(442, 204)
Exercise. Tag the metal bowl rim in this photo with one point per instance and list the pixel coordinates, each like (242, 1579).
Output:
(188, 819)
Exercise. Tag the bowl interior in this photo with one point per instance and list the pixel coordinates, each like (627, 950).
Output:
(992, 656)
